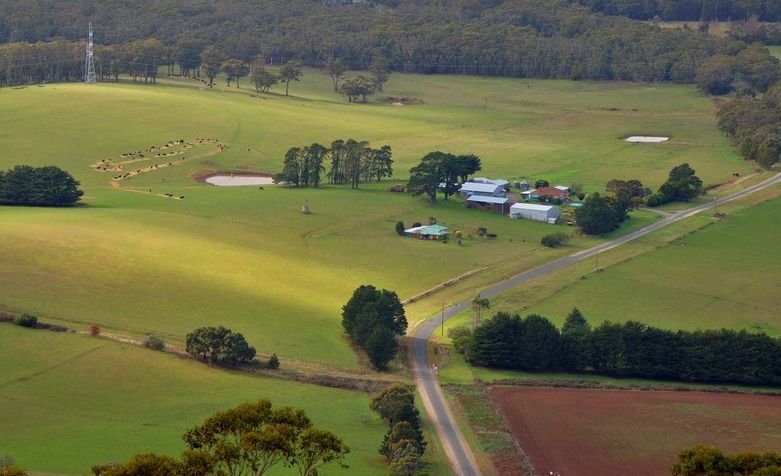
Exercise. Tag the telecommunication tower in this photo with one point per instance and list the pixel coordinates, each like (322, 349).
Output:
(89, 65)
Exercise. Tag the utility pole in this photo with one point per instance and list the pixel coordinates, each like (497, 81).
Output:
(89, 63)
(442, 320)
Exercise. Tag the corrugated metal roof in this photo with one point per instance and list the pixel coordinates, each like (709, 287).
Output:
(487, 180)
(531, 206)
(479, 187)
(428, 230)
(484, 199)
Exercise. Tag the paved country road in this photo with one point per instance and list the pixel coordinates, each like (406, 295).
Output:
(459, 454)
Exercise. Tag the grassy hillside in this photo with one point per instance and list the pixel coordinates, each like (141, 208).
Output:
(723, 276)
(137, 262)
(68, 402)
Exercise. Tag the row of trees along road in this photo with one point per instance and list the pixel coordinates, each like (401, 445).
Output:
(441, 168)
(534, 38)
(38, 186)
(373, 318)
(403, 445)
(632, 349)
(350, 162)
(251, 438)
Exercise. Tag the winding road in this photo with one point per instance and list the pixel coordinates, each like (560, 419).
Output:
(456, 448)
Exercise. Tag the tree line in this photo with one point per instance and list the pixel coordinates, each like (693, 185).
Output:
(349, 161)
(631, 349)
(688, 10)
(753, 125)
(403, 445)
(38, 186)
(535, 38)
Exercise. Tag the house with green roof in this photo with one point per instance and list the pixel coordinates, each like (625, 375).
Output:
(427, 232)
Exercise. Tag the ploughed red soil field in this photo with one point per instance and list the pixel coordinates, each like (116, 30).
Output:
(583, 432)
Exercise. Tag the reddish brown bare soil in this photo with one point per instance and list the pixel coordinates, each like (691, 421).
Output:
(583, 432)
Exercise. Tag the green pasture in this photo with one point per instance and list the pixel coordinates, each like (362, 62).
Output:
(135, 262)
(723, 276)
(68, 402)
(701, 273)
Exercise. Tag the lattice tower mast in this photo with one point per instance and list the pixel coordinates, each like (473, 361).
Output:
(89, 65)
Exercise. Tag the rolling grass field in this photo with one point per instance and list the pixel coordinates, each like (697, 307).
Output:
(723, 276)
(135, 262)
(248, 259)
(68, 402)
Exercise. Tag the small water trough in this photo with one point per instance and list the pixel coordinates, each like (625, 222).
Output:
(238, 180)
(647, 139)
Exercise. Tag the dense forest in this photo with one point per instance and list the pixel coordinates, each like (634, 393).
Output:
(533, 38)
(688, 10)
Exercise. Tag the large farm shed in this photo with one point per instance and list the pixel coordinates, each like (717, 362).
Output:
(532, 211)
(484, 189)
(499, 204)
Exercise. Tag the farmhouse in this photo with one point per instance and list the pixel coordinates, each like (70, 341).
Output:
(469, 189)
(497, 204)
(552, 192)
(427, 232)
(546, 193)
(532, 211)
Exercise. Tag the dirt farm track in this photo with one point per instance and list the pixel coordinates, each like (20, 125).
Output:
(583, 432)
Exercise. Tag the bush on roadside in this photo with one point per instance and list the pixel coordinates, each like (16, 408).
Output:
(273, 361)
(94, 330)
(461, 337)
(12, 471)
(400, 228)
(153, 342)
(27, 320)
(554, 240)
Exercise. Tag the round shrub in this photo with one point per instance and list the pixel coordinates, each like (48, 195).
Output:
(153, 342)
(400, 228)
(27, 320)
(554, 240)
(273, 362)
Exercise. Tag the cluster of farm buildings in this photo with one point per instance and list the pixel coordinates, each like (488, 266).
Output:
(539, 204)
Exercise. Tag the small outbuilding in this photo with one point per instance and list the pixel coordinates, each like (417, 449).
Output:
(498, 204)
(532, 211)
(427, 232)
